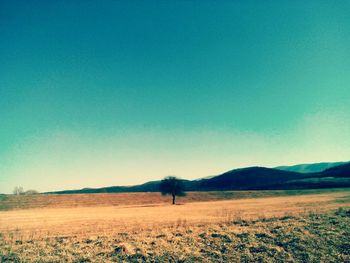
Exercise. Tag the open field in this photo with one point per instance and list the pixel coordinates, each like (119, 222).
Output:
(310, 227)
(11, 202)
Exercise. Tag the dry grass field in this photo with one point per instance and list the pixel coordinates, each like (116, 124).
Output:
(12, 202)
(276, 226)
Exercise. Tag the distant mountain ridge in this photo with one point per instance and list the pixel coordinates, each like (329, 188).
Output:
(310, 167)
(250, 178)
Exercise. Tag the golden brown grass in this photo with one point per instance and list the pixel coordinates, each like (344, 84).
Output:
(12, 202)
(268, 228)
(104, 219)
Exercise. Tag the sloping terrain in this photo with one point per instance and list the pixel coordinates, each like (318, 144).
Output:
(338, 176)
(248, 178)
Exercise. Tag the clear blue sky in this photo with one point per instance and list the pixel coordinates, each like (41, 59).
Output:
(98, 93)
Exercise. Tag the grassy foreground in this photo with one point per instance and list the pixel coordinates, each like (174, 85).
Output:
(323, 237)
(250, 226)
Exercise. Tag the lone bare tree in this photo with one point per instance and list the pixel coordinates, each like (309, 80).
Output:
(172, 186)
(18, 190)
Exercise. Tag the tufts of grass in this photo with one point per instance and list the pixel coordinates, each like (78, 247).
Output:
(314, 237)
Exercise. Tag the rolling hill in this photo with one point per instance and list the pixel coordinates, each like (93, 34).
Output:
(310, 167)
(251, 178)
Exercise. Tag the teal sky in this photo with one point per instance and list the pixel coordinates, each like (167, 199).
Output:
(100, 93)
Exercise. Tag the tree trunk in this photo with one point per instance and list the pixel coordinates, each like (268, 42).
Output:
(173, 199)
